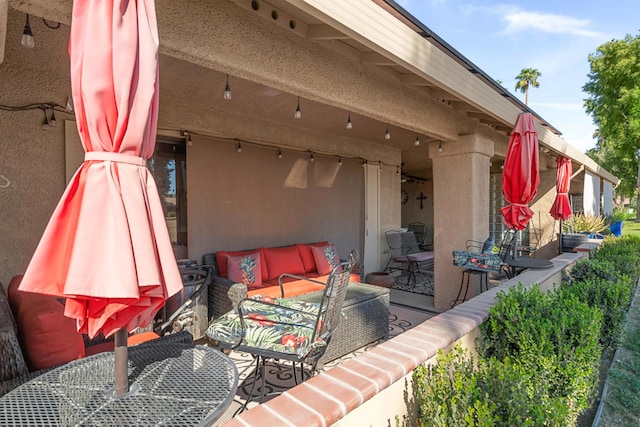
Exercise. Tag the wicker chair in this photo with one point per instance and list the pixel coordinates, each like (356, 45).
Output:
(284, 329)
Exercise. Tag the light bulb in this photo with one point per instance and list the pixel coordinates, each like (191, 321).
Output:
(387, 134)
(227, 90)
(417, 143)
(311, 159)
(440, 148)
(27, 36)
(239, 149)
(339, 162)
(52, 120)
(279, 154)
(298, 112)
(45, 123)
(349, 123)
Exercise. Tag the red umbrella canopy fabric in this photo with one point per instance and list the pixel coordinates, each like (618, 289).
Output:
(520, 175)
(561, 208)
(106, 248)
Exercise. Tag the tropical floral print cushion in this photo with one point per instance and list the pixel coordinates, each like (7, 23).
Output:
(475, 261)
(270, 324)
(326, 258)
(245, 269)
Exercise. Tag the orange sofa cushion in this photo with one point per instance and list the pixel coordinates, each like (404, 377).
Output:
(221, 260)
(296, 287)
(48, 337)
(307, 256)
(285, 259)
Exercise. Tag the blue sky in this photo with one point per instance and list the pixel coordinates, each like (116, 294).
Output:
(553, 36)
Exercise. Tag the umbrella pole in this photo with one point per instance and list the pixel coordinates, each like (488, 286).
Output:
(121, 365)
(560, 239)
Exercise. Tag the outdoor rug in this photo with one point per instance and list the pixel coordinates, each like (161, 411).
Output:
(422, 285)
(279, 377)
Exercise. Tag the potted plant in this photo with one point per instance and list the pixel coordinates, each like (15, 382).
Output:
(579, 228)
(615, 220)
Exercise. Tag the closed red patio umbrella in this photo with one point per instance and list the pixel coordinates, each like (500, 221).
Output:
(561, 208)
(106, 248)
(520, 175)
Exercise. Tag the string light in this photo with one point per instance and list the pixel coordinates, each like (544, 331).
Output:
(387, 134)
(339, 162)
(417, 143)
(239, 149)
(311, 159)
(349, 123)
(27, 36)
(298, 112)
(440, 148)
(279, 153)
(227, 90)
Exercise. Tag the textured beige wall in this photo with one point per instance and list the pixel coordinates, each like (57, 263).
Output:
(31, 158)
(252, 199)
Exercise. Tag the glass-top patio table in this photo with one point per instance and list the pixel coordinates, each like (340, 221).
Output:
(170, 384)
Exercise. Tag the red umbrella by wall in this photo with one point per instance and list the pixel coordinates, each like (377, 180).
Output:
(106, 248)
(561, 208)
(520, 175)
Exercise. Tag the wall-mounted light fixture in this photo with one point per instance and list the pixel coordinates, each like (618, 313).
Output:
(227, 90)
(298, 112)
(27, 36)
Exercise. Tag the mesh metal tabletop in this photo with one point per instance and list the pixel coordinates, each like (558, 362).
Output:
(174, 385)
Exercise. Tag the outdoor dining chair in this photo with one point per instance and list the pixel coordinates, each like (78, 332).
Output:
(284, 329)
(533, 238)
(406, 255)
(479, 260)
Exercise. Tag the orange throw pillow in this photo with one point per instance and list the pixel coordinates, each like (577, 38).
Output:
(307, 256)
(48, 337)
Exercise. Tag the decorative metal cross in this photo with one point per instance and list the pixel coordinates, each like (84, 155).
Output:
(422, 198)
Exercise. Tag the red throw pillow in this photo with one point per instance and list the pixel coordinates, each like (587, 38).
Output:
(245, 269)
(326, 258)
(221, 260)
(307, 256)
(48, 337)
(283, 260)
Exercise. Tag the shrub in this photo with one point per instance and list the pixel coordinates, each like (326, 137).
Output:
(553, 336)
(498, 393)
(592, 269)
(623, 253)
(611, 297)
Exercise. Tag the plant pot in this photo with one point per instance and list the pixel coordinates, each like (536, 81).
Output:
(380, 278)
(571, 240)
(616, 228)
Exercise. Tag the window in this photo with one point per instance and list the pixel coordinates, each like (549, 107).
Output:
(169, 169)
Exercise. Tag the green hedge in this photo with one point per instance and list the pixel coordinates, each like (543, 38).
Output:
(539, 353)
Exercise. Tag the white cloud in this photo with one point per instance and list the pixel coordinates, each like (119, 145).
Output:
(518, 20)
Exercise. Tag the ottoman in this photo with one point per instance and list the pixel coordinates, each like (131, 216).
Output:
(365, 319)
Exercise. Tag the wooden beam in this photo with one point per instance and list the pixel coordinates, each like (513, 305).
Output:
(413, 80)
(4, 12)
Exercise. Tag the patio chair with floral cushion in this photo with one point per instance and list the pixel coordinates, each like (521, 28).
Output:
(480, 259)
(282, 328)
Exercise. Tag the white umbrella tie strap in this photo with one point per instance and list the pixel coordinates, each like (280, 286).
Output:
(114, 157)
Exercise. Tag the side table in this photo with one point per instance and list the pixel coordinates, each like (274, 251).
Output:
(170, 384)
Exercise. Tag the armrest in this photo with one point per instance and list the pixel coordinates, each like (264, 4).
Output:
(224, 295)
(295, 277)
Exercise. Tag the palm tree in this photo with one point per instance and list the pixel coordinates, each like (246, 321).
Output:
(527, 77)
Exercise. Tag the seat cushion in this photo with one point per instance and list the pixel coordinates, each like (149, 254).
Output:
(245, 269)
(270, 329)
(48, 337)
(475, 261)
(326, 258)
